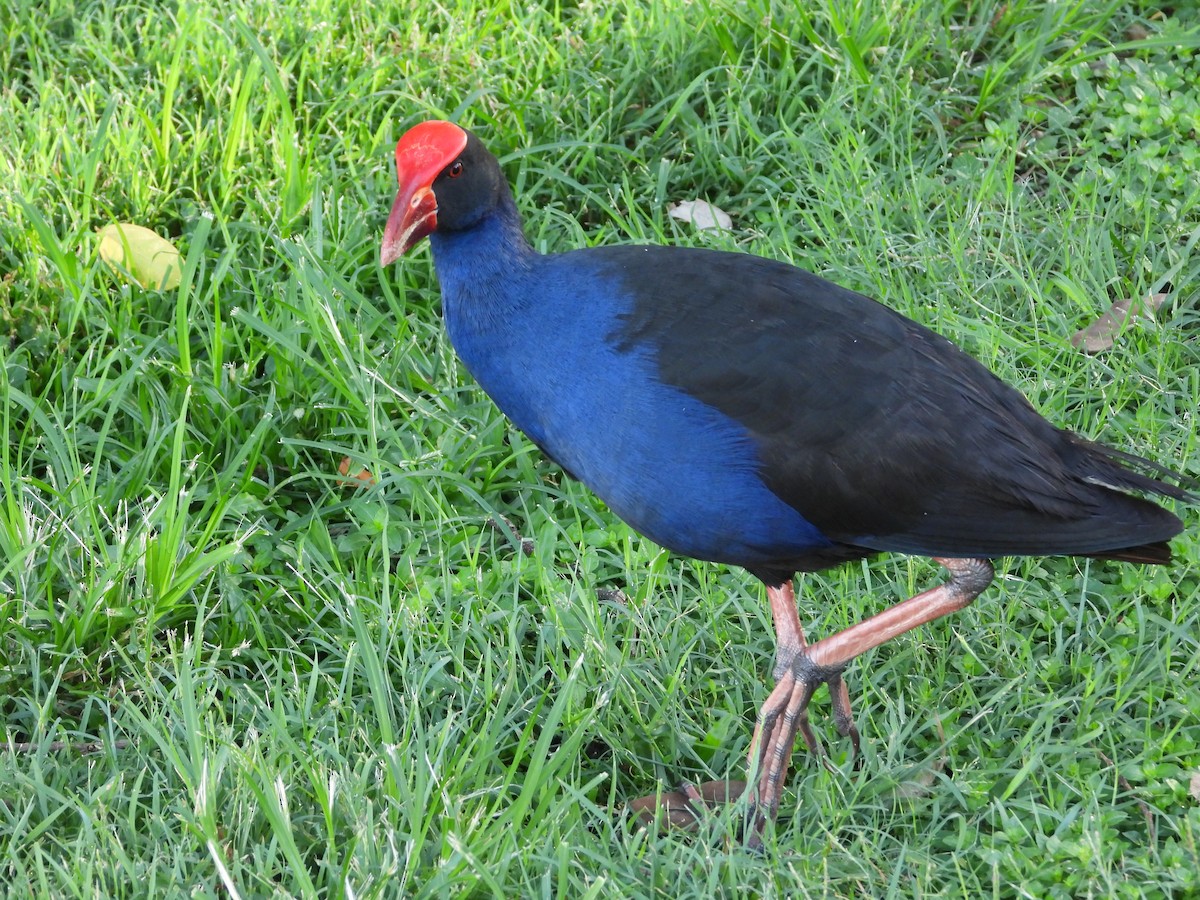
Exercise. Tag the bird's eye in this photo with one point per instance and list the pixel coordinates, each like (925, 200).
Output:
(456, 169)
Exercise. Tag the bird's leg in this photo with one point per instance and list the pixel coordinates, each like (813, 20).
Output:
(789, 640)
(789, 633)
(681, 808)
(785, 711)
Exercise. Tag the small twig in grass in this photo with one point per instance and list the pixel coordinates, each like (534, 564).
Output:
(612, 595)
(1125, 785)
(81, 747)
(502, 523)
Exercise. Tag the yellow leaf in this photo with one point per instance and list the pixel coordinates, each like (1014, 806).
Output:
(151, 260)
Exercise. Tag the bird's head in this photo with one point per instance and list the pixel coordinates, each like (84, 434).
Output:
(448, 182)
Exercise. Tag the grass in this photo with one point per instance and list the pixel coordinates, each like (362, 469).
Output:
(227, 673)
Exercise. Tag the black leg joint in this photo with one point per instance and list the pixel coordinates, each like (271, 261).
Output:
(969, 575)
(808, 672)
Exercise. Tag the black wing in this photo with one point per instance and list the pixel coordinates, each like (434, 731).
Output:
(877, 430)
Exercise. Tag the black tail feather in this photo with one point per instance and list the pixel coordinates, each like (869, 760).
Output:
(1124, 468)
(1157, 554)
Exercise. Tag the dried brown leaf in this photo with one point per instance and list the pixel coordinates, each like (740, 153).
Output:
(362, 478)
(1137, 32)
(1103, 333)
(921, 784)
(683, 808)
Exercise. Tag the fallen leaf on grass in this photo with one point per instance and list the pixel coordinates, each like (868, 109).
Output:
(612, 595)
(683, 808)
(1137, 32)
(152, 261)
(921, 784)
(700, 213)
(362, 478)
(1102, 333)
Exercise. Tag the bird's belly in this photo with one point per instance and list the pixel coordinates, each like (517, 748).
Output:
(722, 519)
(676, 470)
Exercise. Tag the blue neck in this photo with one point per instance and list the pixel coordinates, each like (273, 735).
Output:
(474, 263)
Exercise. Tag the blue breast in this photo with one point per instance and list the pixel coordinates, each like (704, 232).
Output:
(537, 333)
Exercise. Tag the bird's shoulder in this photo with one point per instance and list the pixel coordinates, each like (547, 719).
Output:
(769, 343)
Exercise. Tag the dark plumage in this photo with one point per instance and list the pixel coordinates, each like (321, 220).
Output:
(742, 410)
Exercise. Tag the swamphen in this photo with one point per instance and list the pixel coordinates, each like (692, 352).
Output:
(741, 410)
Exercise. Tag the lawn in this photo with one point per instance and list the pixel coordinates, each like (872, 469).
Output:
(230, 667)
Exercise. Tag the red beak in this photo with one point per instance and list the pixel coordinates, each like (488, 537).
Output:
(414, 216)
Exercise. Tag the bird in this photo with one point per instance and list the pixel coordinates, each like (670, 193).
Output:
(741, 410)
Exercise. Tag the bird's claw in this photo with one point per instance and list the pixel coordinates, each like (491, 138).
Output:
(782, 717)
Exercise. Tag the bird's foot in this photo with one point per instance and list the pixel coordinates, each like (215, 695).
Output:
(685, 807)
(783, 715)
(801, 668)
